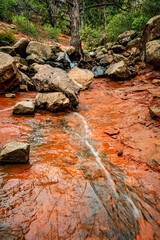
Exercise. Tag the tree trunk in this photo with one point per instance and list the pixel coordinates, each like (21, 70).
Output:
(75, 26)
(53, 11)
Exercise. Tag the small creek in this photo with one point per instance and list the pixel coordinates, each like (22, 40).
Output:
(75, 186)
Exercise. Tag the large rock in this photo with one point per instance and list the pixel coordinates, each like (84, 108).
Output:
(153, 53)
(81, 76)
(40, 49)
(106, 59)
(24, 108)
(152, 29)
(53, 102)
(118, 71)
(20, 46)
(9, 74)
(49, 79)
(126, 37)
(15, 152)
(33, 58)
(151, 32)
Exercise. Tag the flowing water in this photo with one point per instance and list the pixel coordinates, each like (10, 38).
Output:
(75, 186)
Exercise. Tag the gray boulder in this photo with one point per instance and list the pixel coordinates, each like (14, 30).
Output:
(9, 74)
(49, 79)
(53, 102)
(118, 71)
(153, 53)
(24, 108)
(15, 152)
(98, 71)
(40, 49)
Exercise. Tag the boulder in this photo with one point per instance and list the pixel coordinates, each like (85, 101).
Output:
(155, 112)
(15, 152)
(27, 81)
(106, 60)
(70, 50)
(49, 79)
(23, 88)
(117, 48)
(55, 48)
(9, 74)
(134, 43)
(33, 58)
(20, 46)
(152, 29)
(153, 53)
(126, 37)
(118, 71)
(98, 71)
(119, 57)
(9, 50)
(81, 76)
(10, 95)
(151, 32)
(40, 49)
(60, 56)
(24, 108)
(53, 102)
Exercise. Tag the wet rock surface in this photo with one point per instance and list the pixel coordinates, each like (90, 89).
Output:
(76, 187)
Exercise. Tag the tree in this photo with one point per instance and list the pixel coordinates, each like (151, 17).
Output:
(72, 11)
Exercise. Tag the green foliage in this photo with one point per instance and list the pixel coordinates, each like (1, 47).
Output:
(50, 32)
(119, 24)
(139, 22)
(6, 10)
(7, 38)
(91, 36)
(25, 26)
(63, 25)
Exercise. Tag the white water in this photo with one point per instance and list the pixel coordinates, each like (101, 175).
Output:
(98, 159)
(72, 64)
(6, 109)
(136, 212)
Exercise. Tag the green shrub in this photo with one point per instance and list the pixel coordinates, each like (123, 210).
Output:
(25, 26)
(6, 10)
(91, 36)
(7, 38)
(119, 24)
(139, 22)
(50, 32)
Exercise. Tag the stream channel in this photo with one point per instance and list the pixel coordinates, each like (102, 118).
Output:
(74, 186)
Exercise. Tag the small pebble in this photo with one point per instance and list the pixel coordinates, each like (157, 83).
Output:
(120, 153)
